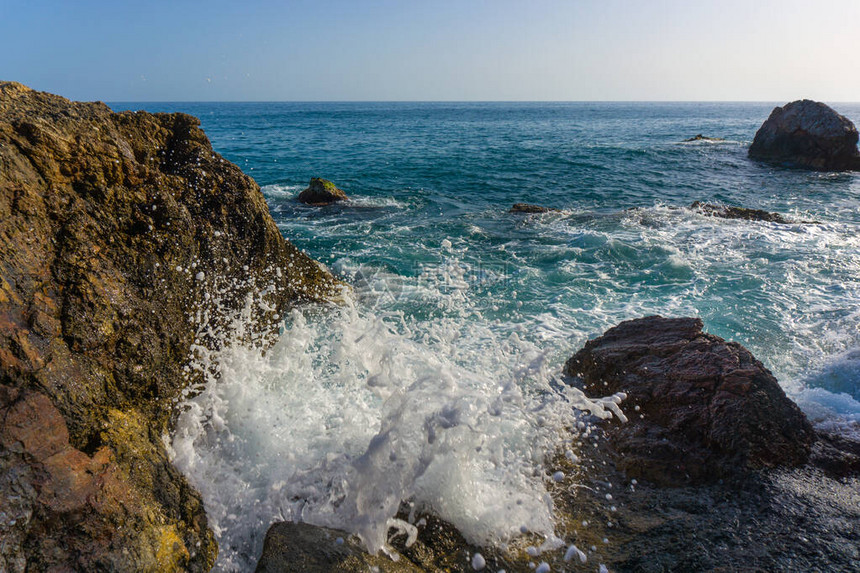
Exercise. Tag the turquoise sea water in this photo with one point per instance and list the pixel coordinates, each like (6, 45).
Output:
(460, 285)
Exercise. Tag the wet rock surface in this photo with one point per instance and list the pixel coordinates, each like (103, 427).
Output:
(321, 192)
(528, 208)
(738, 213)
(113, 227)
(700, 137)
(701, 408)
(304, 548)
(438, 547)
(777, 520)
(704, 408)
(807, 134)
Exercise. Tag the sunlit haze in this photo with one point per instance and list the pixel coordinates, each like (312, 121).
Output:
(766, 50)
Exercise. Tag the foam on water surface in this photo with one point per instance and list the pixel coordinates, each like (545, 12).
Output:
(354, 411)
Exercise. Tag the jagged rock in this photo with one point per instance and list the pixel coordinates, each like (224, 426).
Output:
(527, 208)
(807, 134)
(837, 454)
(700, 137)
(707, 408)
(113, 225)
(738, 213)
(321, 192)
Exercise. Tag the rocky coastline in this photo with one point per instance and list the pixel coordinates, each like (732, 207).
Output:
(115, 228)
(118, 229)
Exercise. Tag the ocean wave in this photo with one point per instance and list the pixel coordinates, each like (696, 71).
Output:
(282, 191)
(357, 409)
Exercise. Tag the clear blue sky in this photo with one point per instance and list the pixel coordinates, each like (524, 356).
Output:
(771, 50)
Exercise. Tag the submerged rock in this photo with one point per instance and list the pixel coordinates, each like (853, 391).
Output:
(527, 208)
(705, 408)
(807, 134)
(700, 137)
(321, 192)
(113, 226)
(738, 213)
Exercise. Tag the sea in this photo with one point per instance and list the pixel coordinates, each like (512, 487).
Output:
(437, 383)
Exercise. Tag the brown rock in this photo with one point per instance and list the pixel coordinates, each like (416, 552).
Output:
(707, 408)
(807, 134)
(321, 192)
(104, 216)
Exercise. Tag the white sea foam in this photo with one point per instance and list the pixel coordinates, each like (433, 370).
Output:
(281, 191)
(285, 191)
(376, 202)
(354, 411)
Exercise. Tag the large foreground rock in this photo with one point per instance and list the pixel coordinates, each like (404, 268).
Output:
(113, 226)
(807, 134)
(700, 408)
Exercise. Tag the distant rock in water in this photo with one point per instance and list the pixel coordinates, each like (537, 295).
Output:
(807, 134)
(112, 226)
(527, 208)
(700, 137)
(738, 213)
(321, 192)
(708, 408)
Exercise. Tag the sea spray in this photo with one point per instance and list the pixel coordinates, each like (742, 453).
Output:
(353, 411)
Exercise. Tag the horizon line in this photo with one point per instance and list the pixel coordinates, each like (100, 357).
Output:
(464, 101)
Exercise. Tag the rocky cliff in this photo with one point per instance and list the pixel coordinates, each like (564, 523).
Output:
(114, 228)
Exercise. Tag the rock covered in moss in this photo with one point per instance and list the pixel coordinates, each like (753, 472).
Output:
(807, 134)
(704, 408)
(114, 227)
(321, 192)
